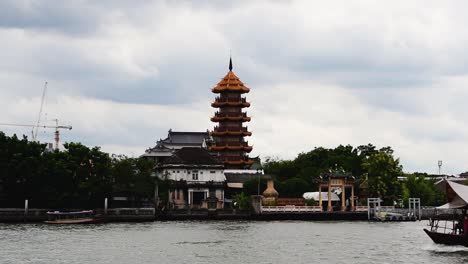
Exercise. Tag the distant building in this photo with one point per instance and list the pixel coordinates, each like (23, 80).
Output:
(176, 140)
(228, 135)
(196, 179)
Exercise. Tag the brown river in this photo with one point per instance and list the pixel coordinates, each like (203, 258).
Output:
(225, 242)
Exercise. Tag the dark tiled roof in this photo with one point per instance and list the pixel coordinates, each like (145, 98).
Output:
(197, 156)
(190, 138)
(257, 165)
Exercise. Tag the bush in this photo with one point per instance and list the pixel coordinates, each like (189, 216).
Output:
(311, 202)
(242, 201)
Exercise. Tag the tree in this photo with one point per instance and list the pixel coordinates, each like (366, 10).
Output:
(417, 186)
(76, 177)
(294, 188)
(382, 172)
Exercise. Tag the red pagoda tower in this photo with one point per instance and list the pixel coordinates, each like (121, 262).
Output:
(229, 135)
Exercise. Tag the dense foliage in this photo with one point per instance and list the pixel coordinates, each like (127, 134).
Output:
(375, 170)
(81, 177)
(77, 177)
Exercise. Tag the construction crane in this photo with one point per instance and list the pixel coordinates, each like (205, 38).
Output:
(56, 127)
(34, 133)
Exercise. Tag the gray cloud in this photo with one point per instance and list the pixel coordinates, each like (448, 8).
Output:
(124, 72)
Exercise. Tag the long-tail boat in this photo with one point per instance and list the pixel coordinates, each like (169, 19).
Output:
(80, 217)
(451, 229)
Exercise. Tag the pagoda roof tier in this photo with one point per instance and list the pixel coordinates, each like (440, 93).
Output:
(230, 83)
(230, 117)
(231, 144)
(220, 102)
(231, 133)
(238, 162)
(221, 131)
(227, 148)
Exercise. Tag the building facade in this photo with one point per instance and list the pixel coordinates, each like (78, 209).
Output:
(229, 134)
(196, 179)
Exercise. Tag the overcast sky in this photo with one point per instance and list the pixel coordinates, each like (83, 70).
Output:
(321, 73)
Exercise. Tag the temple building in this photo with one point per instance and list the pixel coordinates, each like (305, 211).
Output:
(175, 140)
(196, 179)
(228, 135)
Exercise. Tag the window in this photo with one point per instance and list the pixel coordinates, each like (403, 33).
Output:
(201, 172)
(177, 171)
(173, 171)
(194, 175)
(212, 171)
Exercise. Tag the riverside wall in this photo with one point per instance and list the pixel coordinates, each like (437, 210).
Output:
(18, 215)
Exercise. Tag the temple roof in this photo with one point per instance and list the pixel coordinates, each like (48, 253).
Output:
(195, 156)
(232, 83)
(178, 140)
(185, 138)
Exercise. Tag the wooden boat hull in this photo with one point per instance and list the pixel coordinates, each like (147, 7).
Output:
(447, 239)
(76, 221)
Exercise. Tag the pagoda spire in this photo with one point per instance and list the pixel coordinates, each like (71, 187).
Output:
(230, 63)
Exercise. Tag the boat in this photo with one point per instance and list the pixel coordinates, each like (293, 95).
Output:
(451, 228)
(79, 217)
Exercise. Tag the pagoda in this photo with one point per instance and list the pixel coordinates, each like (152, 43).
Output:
(229, 134)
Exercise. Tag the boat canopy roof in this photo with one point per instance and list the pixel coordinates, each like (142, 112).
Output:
(69, 213)
(457, 195)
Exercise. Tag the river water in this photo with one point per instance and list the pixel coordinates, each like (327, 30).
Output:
(225, 242)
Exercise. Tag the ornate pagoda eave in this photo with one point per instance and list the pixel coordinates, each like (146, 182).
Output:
(218, 104)
(247, 149)
(232, 133)
(239, 162)
(230, 83)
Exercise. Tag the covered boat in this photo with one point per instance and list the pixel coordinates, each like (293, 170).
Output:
(79, 217)
(451, 228)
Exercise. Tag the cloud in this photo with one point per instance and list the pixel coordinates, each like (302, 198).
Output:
(322, 73)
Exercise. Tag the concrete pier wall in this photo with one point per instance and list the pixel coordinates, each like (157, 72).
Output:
(149, 214)
(113, 215)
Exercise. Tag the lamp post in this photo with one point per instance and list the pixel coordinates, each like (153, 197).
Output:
(439, 163)
(258, 185)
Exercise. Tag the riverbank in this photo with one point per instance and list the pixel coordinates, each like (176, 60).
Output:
(17, 215)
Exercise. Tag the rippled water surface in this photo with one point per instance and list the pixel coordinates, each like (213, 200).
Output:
(225, 242)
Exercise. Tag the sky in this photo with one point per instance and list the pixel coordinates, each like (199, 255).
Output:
(321, 73)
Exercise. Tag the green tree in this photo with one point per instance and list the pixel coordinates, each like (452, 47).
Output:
(382, 172)
(417, 186)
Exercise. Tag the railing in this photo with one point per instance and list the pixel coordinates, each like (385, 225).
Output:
(218, 114)
(230, 129)
(387, 208)
(291, 209)
(235, 158)
(290, 201)
(131, 211)
(221, 144)
(360, 208)
(22, 212)
(234, 100)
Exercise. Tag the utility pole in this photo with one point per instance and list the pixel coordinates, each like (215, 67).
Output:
(439, 163)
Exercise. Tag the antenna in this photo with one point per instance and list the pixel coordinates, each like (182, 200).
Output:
(34, 136)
